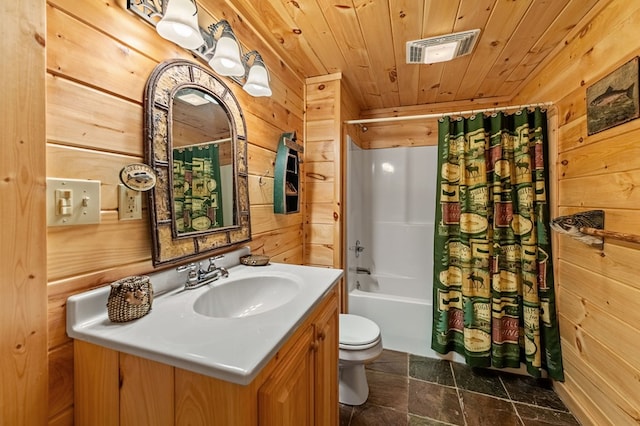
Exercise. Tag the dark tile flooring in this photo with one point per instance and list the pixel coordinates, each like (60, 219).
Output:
(416, 391)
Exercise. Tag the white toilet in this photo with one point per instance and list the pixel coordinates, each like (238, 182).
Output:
(360, 343)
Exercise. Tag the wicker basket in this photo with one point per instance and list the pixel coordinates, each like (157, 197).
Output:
(130, 298)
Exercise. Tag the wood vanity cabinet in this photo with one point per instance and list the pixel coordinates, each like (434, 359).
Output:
(287, 397)
(299, 385)
(305, 389)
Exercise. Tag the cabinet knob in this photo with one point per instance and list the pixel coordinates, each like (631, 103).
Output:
(322, 334)
(314, 346)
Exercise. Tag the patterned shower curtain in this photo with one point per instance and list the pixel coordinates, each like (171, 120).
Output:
(494, 298)
(196, 188)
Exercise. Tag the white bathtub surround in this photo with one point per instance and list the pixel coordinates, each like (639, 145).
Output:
(390, 209)
(231, 349)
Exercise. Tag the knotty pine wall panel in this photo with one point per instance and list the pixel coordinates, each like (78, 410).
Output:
(323, 145)
(84, 122)
(321, 213)
(400, 134)
(23, 281)
(413, 132)
(99, 57)
(84, 54)
(328, 104)
(282, 240)
(594, 159)
(598, 290)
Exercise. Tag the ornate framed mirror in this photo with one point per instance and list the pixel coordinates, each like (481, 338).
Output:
(196, 141)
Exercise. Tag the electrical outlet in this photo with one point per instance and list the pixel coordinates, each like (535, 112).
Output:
(129, 203)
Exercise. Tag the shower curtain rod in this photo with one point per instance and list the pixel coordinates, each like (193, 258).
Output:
(444, 114)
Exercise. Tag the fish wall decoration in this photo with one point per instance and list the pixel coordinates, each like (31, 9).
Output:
(614, 99)
(612, 95)
(572, 225)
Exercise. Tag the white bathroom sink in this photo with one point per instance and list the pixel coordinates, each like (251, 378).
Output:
(275, 299)
(248, 296)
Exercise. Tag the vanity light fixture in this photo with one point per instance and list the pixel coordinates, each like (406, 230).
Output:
(225, 57)
(179, 24)
(217, 44)
(257, 83)
(226, 51)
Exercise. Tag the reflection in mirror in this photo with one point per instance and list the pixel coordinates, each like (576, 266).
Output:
(196, 142)
(202, 163)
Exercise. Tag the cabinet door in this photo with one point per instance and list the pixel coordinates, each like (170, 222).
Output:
(97, 385)
(286, 399)
(326, 379)
(146, 392)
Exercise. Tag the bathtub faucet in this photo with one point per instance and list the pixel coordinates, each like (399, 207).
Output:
(363, 271)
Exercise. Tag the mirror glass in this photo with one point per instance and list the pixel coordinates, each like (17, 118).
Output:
(195, 140)
(202, 163)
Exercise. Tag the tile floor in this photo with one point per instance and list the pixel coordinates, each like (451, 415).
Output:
(416, 391)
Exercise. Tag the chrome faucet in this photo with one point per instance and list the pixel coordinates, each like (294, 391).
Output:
(197, 276)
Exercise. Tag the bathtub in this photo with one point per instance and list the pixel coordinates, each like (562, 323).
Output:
(405, 322)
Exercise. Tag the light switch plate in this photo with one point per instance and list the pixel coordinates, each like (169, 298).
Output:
(73, 202)
(129, 203)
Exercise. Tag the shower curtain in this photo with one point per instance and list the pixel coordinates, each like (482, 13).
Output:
(196, 188)
(494, 298)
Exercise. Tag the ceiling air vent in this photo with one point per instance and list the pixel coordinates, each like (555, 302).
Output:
(441, 48)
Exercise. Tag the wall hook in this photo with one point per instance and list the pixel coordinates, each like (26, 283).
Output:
(260, 181)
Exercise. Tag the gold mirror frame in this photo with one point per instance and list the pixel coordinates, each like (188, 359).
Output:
(163, 83)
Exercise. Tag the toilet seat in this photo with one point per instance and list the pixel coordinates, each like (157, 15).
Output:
(357, 333)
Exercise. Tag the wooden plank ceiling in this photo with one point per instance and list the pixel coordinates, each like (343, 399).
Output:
(365, 41)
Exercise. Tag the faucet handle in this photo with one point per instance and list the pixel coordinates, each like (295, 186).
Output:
(357, 248)
(191, 267)
(213, 259)
(212, 266)
(192, 277)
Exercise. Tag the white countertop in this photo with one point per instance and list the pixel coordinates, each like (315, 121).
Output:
(231, 349)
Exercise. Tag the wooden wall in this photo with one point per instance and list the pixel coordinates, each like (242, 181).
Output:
(23, 273)
(414, 132)
(599, 289)
(99, 56)
(322, 171)
(328, 104)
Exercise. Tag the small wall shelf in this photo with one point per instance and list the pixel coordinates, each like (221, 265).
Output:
(286, 190)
